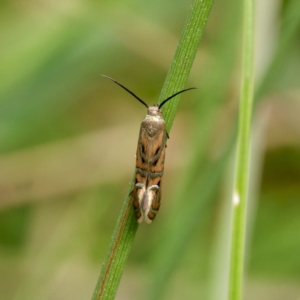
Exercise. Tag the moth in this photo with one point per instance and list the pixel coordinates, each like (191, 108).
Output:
(150, 159)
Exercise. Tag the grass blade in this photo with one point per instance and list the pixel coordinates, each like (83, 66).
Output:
(177, 76)
(243, 157)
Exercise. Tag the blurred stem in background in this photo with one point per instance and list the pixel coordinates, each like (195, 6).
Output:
(241, 181)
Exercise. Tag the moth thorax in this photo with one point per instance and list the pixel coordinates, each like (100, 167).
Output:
(154, 111)
(153, 124)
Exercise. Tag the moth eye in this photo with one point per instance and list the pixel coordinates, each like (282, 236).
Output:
(158, 183)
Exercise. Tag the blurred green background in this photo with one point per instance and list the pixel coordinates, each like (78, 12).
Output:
(68, 138)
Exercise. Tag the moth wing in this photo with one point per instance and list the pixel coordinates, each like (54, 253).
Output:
(137, 195)
(154, 194)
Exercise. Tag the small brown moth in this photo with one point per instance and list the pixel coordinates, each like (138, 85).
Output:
(150, 158)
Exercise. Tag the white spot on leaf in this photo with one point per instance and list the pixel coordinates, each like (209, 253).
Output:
(236, 198)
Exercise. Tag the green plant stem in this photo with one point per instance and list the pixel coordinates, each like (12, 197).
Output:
(118, 252)
(126, 227)
(184, 56)
(243, 157)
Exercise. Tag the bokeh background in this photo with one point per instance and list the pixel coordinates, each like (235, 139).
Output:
(68, 138)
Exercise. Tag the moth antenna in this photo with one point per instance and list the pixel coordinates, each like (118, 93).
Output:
(166, 100)
(126, 89)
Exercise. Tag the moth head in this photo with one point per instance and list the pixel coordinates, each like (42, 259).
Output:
(154, 110)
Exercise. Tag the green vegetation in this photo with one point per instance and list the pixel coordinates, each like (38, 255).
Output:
(68, 139)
